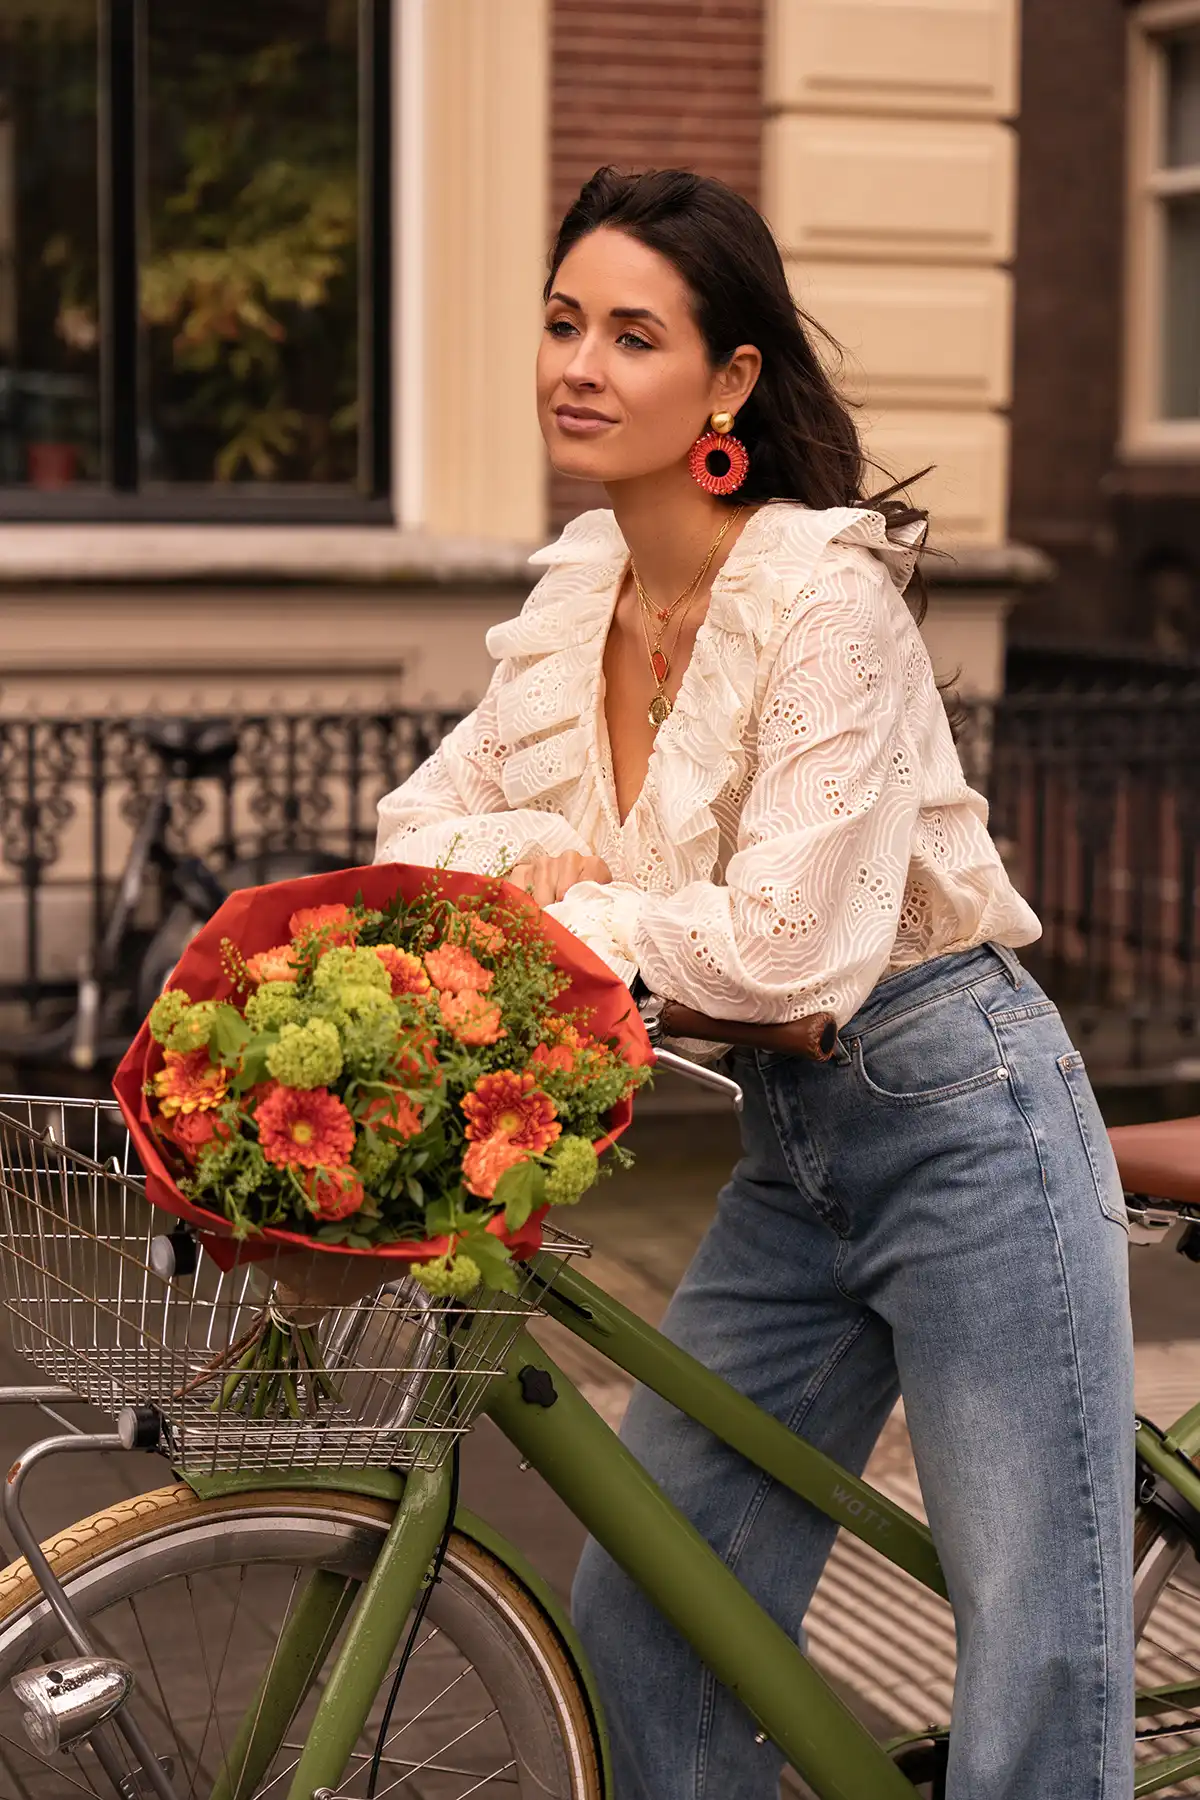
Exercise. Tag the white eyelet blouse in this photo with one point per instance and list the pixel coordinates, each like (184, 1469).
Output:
(804, 827)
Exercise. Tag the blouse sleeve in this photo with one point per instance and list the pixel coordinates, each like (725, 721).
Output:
(452, 813)
(808, 913)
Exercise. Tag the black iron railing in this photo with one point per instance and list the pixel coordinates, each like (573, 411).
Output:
(73, 791)
(1095, 802)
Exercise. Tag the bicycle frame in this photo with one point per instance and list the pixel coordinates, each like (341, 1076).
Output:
(582, 1459)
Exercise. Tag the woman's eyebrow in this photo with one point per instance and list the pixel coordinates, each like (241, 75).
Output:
(616, 312)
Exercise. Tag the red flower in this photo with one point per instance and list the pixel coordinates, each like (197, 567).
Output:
(309, 1126)
(334, 1193)
(408, 977)
(272, 965)
(192, 1131)
(511, 1106)
(188, 1082)
(485, 1163)
(396, 1111)
(556, 1056)
(450, 966)
(336, 924)
(471, 1018)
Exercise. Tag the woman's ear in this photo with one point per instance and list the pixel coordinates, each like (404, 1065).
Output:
(735, 379)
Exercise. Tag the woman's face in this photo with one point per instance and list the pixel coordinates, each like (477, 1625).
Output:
(624, 382)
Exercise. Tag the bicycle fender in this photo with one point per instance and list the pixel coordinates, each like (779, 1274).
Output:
(518, 1566)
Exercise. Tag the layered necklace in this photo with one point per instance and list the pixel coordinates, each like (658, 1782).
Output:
(656, 622)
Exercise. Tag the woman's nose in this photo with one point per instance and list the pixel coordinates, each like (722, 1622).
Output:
(583, 370)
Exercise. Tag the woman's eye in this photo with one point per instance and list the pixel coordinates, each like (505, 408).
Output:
(559, 327)
(634, 342)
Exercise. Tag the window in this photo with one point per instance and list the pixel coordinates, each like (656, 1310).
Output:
(1163, 398)
(194, 316)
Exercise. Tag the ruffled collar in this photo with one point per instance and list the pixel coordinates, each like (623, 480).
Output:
(550, 710)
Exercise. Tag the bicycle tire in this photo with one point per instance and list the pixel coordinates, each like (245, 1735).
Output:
(136, 1550)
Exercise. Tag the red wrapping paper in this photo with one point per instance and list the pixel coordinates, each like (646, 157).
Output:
(256, 919)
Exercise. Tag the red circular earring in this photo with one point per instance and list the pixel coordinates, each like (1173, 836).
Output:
(718, 460)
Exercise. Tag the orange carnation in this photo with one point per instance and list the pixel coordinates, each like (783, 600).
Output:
(336, 924)
(486, 1162)
(554, 1056)
(308, 1126)
(188, 1082)
(395, 1111)
(408, 976)
(481, 934)
(452, 967)
(334, 1193)
(193, 1130)
(511, 1106)
(272, 965)
(471, 1018)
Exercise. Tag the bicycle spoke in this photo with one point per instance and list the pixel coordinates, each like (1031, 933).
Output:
(429, 1763)
(55, 1768)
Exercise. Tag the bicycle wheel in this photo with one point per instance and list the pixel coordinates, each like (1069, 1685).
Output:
(194, 1596)
(1167, 1613)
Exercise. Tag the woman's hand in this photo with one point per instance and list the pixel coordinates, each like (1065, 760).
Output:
(547, 878)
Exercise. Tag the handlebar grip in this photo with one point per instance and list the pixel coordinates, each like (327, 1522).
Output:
(814, 1036)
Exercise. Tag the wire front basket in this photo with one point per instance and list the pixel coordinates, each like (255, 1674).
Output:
(297, 1361)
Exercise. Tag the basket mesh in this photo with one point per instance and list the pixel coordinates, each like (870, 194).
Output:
(383, 1379)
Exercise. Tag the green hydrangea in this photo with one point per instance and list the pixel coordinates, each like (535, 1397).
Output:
(166, 1013)
(194, 1028)
(367, 1023)
(345, 966)
(306, 1056)
(449, 1277)
(273, 1005)
(374, 1160)
(574, 1166)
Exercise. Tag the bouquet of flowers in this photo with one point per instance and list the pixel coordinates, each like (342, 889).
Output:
(388, 1065)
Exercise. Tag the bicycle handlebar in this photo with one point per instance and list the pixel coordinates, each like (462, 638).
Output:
(813, 1037)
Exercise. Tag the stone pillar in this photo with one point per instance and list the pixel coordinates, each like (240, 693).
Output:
(889, 178)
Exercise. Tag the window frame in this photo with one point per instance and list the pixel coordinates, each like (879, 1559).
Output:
(118, 496)
(1146, 434)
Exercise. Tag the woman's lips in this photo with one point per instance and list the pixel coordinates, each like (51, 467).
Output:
(581, 424)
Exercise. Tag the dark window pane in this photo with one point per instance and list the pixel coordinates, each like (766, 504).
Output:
(1181, 335)
(49, 323)
(1183, 100)
(249, 267)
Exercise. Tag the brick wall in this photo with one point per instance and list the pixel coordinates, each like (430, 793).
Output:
(649, 84)
(1069, 271)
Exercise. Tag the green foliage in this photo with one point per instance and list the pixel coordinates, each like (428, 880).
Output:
(274, 1004)
(167, 1012)
(520, 1191)
(573, 1170)
(306, 1056)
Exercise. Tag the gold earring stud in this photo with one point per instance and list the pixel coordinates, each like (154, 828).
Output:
(722, 423)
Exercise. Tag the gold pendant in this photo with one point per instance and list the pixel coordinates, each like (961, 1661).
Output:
(660, 709)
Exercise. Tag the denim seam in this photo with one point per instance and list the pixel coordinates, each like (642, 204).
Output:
(1083, 1442)
(905, 1012)
(820, 1201)
(754, 1504)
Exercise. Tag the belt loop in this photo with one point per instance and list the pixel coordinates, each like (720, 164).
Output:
(1011, 965)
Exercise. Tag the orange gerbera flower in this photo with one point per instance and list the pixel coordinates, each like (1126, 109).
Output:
(485, 1163)
(192, 1131)
(396, 1111)
(272, 965)
(308, 1126)
(335, 1193)
(471, 1018)
(408, 975)
(452, 967)
(336, 924)
(511, 1106)
(188, 1082)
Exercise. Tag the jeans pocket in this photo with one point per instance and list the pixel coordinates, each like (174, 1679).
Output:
(1094, 1136)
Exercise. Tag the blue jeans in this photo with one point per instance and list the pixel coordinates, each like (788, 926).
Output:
(937, 1212)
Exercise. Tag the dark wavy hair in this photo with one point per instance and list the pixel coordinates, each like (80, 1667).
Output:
(800, 434)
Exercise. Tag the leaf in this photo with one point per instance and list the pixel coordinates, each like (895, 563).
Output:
(519, 1191)
(495, 1264)
(253, 1067)
(229, 1035)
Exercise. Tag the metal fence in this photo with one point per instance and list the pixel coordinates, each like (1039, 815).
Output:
(73, 791)
(1095, 802)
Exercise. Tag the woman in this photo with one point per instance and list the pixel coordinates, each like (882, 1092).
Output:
(714, 748)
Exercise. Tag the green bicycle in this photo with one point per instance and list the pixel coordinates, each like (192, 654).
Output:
(307, 1612)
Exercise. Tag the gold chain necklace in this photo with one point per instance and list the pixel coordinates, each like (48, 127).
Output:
(661, 706)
